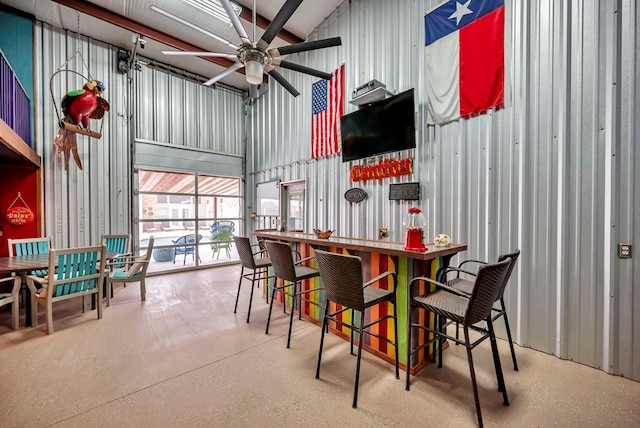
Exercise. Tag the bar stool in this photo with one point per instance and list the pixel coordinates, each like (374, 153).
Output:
(255, 261)
(450, 304)
(342, 279)
(466, 286)
(291, 273)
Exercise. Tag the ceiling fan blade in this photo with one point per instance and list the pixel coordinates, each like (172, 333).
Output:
(236, 22)
(193, 26)
(228, 71)
(301, 68)
(189, 53)
(253, 91)
(278, 22)
(281, 80)
(305, 46)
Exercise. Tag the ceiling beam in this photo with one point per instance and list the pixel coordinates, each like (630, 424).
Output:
(128, 24)
(262, 22)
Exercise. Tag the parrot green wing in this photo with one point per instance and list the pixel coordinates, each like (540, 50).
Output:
(75, 93)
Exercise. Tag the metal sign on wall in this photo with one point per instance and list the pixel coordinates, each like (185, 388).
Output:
(404, 191)
(355, 195)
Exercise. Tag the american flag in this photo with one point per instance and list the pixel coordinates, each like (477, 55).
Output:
(327, 108)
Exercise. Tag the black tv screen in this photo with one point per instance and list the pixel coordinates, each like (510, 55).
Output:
(381, 127)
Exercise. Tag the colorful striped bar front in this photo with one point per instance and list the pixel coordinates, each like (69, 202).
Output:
(377, 257)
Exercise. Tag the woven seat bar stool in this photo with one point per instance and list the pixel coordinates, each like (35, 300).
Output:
(292, 274)
(256, 262)
(343, 285)
(466, 286)
(447, 303)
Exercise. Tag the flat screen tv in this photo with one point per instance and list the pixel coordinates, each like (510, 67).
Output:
(381, 127)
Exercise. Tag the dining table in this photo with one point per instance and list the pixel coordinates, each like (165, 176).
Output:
(24, 265)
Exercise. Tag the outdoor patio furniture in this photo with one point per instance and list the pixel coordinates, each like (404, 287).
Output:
(187, 246)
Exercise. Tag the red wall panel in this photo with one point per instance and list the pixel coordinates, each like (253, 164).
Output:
(24, 180)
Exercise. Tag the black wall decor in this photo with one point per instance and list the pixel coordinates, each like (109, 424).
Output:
(355, 194)
(404, 191)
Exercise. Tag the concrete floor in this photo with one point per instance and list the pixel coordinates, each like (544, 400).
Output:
(182, 358)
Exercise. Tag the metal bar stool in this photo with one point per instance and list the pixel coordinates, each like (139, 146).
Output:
(291, 273)
(466, 286)
(342, 279)
(256, 262)
(447, 303)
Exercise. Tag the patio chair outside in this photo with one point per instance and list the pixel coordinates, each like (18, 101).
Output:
(187, 245)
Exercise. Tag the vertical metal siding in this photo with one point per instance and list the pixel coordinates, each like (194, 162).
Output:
(177, 111)
(80, 206)
(552, 173)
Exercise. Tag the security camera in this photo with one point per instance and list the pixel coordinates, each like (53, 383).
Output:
(143, 43)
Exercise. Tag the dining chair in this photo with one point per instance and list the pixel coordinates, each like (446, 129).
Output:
(117, 244)
(254, 260)
(135, 271)
(466, 286)
(345, 291)
(292, 273)
(73, 272)
(187, 245)
(450, 305)
(28, 247)
(12, 297)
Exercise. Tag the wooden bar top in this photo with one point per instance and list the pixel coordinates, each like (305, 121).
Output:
(364, 245)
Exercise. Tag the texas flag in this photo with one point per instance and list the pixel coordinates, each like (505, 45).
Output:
(465, 58)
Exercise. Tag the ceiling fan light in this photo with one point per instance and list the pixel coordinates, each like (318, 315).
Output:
(253, 71)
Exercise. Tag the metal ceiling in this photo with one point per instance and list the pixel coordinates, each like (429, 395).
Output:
(121, 22)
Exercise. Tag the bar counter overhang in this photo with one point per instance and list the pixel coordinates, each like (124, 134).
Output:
(377, 257)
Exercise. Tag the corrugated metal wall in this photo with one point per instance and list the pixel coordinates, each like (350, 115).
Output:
(81, 205)
(553, 173)
(158, 106)
(173, 110)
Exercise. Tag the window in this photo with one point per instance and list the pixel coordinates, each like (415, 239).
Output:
(175, 205)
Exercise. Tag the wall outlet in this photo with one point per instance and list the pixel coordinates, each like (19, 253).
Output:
(624, 251)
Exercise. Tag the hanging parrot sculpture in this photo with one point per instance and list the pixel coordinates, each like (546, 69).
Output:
(78, 107)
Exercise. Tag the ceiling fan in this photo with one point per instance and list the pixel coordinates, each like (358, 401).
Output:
(255, 56)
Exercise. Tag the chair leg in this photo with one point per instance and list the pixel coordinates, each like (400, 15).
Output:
(325, 323)
(273, 296)
(360, 331)
(506, 325)
(395, 333)
(474, 384)
(266, 276)
(352, 333)
(408, 368)
(253, 280)
(34, 310)
(15, 312)
(235, 308)
(99, 303)
(496, 362)
(49, 316)
(293, 304)
(109, 295)
(441, 322)
(143, 290)
(299, 295)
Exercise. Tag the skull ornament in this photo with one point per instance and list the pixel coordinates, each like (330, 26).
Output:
(442, 240)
